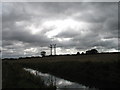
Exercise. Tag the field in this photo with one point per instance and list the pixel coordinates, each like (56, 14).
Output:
(100, 70)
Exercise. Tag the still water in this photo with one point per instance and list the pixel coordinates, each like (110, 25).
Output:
(59, 82)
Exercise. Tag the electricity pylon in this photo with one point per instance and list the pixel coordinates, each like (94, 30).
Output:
(50, 49)
(54, 46)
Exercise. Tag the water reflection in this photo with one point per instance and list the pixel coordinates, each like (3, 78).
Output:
(60, 83)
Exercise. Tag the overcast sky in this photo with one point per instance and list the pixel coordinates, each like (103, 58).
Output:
(29, 28)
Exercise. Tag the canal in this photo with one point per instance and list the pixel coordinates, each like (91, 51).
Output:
(60, 83)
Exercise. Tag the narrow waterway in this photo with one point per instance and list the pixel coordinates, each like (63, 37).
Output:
(58, 82)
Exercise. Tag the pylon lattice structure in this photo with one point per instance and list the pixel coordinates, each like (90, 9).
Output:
(54, 46)
(51, 47)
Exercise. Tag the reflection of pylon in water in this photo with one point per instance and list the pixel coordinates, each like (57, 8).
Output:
(52, 46)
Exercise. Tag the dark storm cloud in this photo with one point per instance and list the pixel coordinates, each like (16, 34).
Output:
(24, 36)
(101, 21)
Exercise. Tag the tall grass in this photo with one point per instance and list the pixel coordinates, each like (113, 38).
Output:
(98, 74)
(14, 76)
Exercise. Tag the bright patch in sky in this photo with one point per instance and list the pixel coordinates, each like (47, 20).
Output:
(59, 26)
(63, 39)
(33, 29)
(30, 49)
(62, 25)
(112, 50)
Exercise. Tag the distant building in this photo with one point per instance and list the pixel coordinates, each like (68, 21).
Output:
(92, 51)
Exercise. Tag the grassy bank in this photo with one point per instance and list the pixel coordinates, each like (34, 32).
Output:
(100, 75)
(14, 76)
(100, 71)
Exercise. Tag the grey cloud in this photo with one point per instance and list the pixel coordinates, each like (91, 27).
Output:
(14, 12)
(26, 37)
(99, 12)
(102, 18)
(69, 33)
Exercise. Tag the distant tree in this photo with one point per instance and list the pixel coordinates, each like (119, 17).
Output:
(78, 53)
(43, 53)
(82, 53)
(92, 51)
(88, 52)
